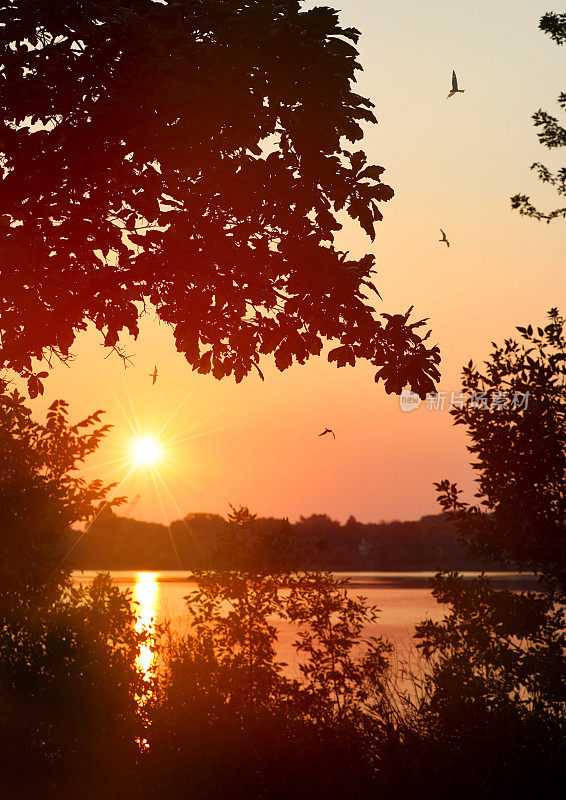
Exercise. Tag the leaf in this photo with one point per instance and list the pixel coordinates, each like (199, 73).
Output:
(342, 355)
(343, 48)
(357, 160)
(372, 172)
(205, 363)
(33, 387)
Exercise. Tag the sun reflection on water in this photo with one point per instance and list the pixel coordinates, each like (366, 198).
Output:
(145, 594)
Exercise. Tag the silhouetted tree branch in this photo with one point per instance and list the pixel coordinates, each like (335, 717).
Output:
(191, 155)
(515, 415)
(551, 135)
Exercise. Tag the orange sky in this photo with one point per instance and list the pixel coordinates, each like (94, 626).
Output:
(453, 164)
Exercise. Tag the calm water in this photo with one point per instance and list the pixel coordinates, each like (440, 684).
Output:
(404, 599)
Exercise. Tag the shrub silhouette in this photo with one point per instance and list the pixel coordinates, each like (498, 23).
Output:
(492, 716)
(228, 722)
(70, 685)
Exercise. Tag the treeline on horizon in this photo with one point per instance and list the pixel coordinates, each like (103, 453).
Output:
(430, 543)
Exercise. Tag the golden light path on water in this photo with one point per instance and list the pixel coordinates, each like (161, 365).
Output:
(145, 594)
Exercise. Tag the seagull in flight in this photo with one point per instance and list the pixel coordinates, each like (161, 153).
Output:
(455, 86)
(327, 430)
(153, 375)
(444, 239)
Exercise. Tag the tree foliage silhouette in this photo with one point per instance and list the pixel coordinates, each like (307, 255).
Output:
(42, 495)
(70, 690)
(234, 610)
(493, 711)
(228, 720)
(191, 155)
(70, 681)
(496, 651)
(551, 134)
(520, 453)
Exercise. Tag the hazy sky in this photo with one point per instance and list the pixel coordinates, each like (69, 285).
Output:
(453, 164)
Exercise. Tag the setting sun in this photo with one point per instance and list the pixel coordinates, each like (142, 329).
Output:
(146, 451)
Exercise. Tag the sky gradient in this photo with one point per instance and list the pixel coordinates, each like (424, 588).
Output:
(453, 164)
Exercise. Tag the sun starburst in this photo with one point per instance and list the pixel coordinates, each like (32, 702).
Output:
(146, 450)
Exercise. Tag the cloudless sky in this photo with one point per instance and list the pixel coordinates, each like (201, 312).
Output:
(453, 164)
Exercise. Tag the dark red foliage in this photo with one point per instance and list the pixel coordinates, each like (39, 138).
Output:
(189, 155)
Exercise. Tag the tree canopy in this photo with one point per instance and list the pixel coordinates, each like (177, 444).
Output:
(495, 690)
(197, 157)
(516, 419)
(551, 134)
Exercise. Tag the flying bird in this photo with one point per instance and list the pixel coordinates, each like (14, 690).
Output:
(327, 430)
(444, 239)
(455, 86)
(153, 375)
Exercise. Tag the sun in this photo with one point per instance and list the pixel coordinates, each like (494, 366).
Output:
(146, 451)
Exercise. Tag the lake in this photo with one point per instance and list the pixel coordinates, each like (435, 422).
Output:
(404, 599)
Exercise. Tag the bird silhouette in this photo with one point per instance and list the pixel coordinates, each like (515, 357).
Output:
(153, 375)
(455, 86)
(444, 239)
(327, 430)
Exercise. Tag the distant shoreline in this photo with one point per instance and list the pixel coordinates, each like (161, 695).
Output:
(426, 545)
(356, 579)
